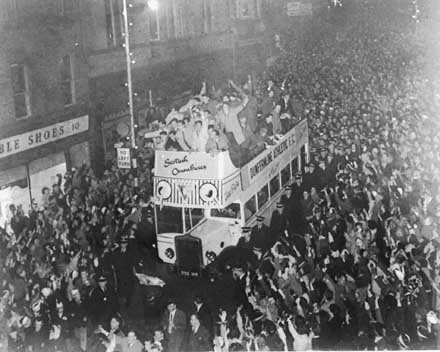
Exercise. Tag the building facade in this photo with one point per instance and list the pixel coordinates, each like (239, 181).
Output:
(44, 122)
(63, 74)
(175, 45)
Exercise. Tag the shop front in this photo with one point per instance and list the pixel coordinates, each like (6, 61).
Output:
(32, 160)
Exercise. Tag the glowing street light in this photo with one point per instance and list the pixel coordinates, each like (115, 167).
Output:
(153, 5)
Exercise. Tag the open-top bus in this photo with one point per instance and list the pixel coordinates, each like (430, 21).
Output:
(207, 199)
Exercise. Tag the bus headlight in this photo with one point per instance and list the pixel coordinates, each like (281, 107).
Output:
(169, 253)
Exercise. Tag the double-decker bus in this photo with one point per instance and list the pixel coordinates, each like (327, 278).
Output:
(204, 197)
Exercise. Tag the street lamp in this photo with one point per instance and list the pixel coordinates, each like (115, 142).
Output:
(153, 5)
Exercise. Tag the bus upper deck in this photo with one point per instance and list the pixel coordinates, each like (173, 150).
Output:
(204, 181)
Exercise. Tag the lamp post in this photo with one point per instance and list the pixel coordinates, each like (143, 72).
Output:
(153, 5)
(129, 81)
(130, 92)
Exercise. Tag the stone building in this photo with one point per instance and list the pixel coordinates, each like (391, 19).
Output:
(44, 121)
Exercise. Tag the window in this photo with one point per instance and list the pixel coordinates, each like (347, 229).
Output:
(246, 8)
(187, 17)
(154, 24)
(231, 211)
(67, 80)
(20, 90)
(207, 16)
(177, 18)
(274, 185)
(263, 196)
(250, 208)
(169, 219)
(113, 17)
(285, 175)
(68, 6)
(295, 166)
(192, 218)
(171, 28)
(257, 8)
(243, 8)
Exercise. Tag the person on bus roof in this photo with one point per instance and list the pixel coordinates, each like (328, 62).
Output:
(217, 142)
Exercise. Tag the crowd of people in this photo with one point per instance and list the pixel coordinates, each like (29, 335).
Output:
(350, 259)
(238, 119)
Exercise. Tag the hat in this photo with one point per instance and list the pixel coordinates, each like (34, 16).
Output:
(102, 278)
(246, 229)
(171, 300)
(260, 218)
(288, 188)
(298, 177)
(280, 205)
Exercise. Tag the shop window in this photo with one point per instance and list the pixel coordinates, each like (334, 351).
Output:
(13, 190)
(43, 173)
(263, 196)
(20, 90)
(274, 185)
(67, 80)
(113, 18)
(250, 208)
(285, 175)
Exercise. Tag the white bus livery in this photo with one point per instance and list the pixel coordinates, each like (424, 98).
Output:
(206, 199)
